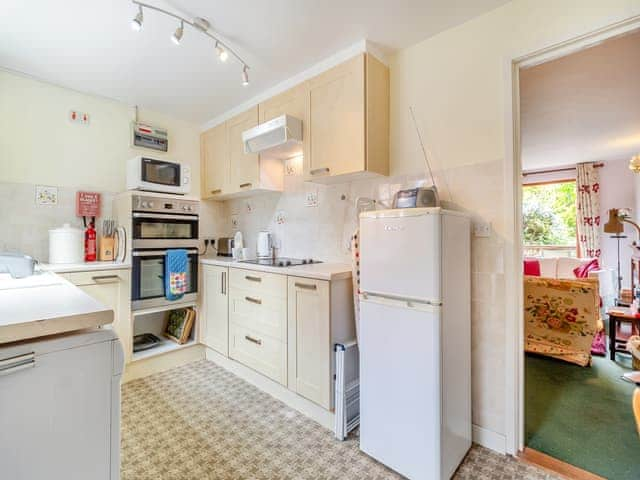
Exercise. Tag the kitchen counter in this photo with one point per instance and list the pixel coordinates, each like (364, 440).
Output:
(83, 266)
(46, 304)
(318, 271)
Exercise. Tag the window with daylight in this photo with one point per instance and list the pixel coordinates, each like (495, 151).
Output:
(549, 219)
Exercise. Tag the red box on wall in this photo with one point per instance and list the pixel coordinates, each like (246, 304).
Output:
(88, 204)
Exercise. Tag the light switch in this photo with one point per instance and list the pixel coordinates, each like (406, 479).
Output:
(482, 229)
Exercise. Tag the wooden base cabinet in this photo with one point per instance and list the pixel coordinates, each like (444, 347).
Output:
(215, 308)
(112, 288)
(320, 314)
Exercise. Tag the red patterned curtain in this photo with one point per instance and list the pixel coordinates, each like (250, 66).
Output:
(588, 209)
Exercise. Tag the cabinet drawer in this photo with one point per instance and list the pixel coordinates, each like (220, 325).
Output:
(260, 283)
(262, 353)
(93, 278)
(266, 314)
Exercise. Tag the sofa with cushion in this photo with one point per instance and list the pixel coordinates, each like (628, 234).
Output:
(563, 268)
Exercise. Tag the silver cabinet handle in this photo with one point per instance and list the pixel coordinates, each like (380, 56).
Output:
(243, 185)
(253, 300)
(319, 170)
(253, 279)
(306, 286)
(99, 278)
(253, 340)
(224, 283)
(16, 364)
(216, 191)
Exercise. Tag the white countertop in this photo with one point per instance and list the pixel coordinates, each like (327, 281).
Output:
(83, 266)
(318, 271)
(46, 304)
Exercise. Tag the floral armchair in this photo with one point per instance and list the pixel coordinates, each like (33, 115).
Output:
(561, 317)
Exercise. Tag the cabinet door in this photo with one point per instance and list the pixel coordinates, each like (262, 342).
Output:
(337, 120)
(214, 161)
(111, 288)
(244, 168)
(54, 418)
(310, 339)
(216, 308)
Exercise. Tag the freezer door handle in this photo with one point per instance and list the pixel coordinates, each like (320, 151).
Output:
(17, 364)
(403, 302)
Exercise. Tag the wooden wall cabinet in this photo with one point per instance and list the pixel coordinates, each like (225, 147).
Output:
(228, 172)
(215, 161)
(348, 121)
(345, 132)
(215, 308)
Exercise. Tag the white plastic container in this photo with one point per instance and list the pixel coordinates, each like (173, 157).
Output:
(66, 245)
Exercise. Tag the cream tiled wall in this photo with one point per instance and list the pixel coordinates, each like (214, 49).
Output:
(24, 225)
(322, 232)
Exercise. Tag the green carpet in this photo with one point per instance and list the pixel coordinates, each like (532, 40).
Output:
(582, 415)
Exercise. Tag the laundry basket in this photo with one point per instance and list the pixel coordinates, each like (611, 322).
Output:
(633, 345)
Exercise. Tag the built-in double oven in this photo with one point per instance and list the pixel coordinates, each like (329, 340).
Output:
(159, 224)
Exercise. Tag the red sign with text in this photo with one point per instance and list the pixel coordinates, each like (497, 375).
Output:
(88, 204)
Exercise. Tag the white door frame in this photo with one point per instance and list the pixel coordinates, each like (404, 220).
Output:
(514, 329)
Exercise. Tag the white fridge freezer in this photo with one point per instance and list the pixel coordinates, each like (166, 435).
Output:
(60, 407)
(415, 352)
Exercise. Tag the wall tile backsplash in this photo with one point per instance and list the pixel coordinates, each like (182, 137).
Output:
(309, 219)
(25, 225)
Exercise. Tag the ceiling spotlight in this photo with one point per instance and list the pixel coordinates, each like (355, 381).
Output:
(245, 76)
(222, 53)
(136, 23)
(177, 35)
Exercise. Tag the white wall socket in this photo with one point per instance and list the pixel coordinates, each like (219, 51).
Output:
(481, 229)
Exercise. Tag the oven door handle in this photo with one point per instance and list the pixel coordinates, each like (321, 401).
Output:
(165, 216)
(155, 253)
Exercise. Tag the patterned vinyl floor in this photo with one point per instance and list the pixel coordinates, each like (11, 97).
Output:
(200, 422)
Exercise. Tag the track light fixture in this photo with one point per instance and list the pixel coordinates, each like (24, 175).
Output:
(222, 53)
(200, 24)
(245, 76)
(177, 35)
(136, 23)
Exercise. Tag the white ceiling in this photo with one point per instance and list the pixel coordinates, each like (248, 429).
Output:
(88, 45)
(582, 107)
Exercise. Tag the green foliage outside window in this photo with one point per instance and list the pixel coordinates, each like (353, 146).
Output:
(549, 214)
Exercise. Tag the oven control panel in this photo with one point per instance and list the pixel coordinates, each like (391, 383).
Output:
(143, 203)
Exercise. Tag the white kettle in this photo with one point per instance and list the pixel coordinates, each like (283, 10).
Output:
(264, 245)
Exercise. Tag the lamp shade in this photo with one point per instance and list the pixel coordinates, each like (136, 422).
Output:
(614, 225)
(634, 164)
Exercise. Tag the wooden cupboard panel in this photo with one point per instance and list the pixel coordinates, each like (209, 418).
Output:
(111, 288)
(377, 123)
(214, 161)
(263, 313)
(244, 168)
(310, 339)
(259, 283)
(262, 353)
(215, 332)
(337, 120)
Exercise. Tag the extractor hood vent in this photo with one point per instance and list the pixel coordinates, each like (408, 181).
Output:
(280, 137)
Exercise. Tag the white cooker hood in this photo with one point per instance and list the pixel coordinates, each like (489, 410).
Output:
(280, 137)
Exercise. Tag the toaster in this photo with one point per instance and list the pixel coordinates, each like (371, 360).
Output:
(225, 246)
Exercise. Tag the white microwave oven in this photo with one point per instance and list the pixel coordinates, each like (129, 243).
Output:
(153, 175)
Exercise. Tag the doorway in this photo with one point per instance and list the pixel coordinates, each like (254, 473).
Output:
(575, 407)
